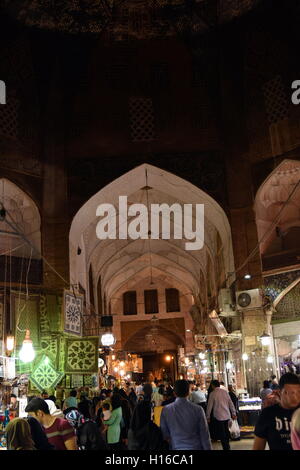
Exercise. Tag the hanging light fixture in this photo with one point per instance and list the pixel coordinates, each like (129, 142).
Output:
(265, 339)
(146, 188)
(108, 339)
(270, 359)
(27, 353)
(10, 342)
(245, 357)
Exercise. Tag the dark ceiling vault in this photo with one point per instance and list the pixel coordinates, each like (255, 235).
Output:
(124, 19)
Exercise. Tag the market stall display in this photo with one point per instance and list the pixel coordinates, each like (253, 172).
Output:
(249, 410)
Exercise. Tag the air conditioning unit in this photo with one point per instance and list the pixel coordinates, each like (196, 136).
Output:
(249, 299)
(226, 307)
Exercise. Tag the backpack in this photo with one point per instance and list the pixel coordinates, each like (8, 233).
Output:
(87, 432)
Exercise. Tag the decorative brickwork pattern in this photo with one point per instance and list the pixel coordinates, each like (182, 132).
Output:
(288, 307)
(141, 119)
(275, 100)
(274, 285)
(9, 119)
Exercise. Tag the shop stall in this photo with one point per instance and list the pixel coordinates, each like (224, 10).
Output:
(249, 411)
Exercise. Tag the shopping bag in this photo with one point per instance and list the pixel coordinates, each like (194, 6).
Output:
(234, 429)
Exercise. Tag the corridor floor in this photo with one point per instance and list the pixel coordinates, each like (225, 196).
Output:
(243, 444)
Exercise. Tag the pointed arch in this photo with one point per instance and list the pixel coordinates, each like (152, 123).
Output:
(22, 216)
(163, 187)
(277, 209)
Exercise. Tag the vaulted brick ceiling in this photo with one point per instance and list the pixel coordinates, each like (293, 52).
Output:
(140, 19)
(121, 260)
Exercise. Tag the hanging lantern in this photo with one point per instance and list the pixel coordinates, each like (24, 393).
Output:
(265, 339)
(10, 342)
(27, 353)
(108, 339)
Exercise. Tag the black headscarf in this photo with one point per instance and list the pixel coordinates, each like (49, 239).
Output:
(146, 434)
(141, 416)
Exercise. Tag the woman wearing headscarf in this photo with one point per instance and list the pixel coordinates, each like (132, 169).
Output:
(126, 415)
(18, 435)
(132, 397)
(53, 410)
(114, 423)
(143, 434)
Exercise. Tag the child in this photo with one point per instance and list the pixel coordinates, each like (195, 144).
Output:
(106, 411)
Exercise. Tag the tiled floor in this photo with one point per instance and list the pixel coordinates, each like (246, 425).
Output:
(243, 444)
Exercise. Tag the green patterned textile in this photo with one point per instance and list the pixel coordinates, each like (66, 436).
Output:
(44, 376)
(82, 355)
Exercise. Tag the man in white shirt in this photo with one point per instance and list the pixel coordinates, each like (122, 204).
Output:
(221, 405)
(139, 389)
(198, 397)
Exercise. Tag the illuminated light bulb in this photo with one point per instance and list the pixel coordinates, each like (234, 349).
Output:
(186, 360)
(113, 357)
(270, 359)
(228, 365)
(122, 372)
(265, 339)
(27, 353)
(245, 357)
(116, 369)
(10, 343)
(108, 339)
(46, 361)
(201, 355)
(122, 363)
(168, 358)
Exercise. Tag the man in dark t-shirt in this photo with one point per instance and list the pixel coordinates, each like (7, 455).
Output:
(273, 426)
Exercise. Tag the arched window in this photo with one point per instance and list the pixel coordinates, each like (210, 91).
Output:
(151, 301)
(129, 303)
(172, 300)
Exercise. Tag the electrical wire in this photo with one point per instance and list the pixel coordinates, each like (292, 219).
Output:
(267, 232)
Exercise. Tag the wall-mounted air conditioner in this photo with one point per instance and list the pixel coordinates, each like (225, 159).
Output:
(249, 299)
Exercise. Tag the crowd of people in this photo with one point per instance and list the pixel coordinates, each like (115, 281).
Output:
(155, 417)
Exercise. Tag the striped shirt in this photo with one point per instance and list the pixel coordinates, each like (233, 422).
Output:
(59, 432)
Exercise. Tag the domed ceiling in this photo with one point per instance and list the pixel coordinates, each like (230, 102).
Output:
(124, 19)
